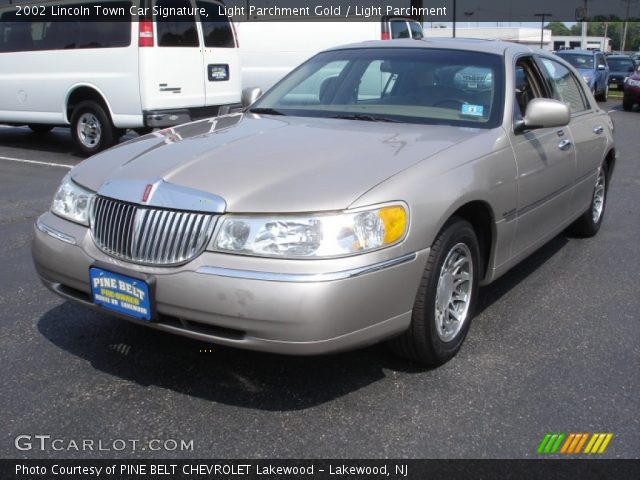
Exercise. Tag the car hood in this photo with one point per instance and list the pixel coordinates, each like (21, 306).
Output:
(268, 163)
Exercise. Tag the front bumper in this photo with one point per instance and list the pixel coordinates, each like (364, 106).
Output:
(281, 306)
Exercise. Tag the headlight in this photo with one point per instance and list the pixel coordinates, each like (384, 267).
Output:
(633, 83)
(317, 235)
(72, 202)
(586, 78)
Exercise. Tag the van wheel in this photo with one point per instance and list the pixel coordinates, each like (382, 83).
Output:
(91, 128)
(446, 298)
(40, 127)
(589, 222)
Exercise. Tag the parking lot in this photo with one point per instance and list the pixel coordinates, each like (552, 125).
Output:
(556, 348)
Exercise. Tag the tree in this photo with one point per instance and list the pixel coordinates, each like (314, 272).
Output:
(558, 29)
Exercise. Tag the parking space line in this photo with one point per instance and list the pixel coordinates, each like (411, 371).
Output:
(48, 164)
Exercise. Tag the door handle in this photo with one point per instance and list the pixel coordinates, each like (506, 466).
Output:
(564, 144)
(598, 129)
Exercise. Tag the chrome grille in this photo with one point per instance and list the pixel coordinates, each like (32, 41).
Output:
(149, 235)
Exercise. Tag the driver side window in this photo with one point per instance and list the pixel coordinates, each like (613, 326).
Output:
(528, 85)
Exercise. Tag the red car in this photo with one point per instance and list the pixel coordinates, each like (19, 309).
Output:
(631, 91)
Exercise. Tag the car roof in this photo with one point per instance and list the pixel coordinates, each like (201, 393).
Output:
(619, 55)
(468, 44)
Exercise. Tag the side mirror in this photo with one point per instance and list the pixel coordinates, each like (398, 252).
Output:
(544, 113)
(250, 95)
(601, 67)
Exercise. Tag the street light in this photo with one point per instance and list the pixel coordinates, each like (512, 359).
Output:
(543, 15)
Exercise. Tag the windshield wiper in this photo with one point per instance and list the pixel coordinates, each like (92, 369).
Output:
(266, 111)
(365, 117)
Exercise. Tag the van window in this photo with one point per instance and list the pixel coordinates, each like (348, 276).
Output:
(41, 33)
(399, 29)
(216, 29)
(416, 30)
(176, 30)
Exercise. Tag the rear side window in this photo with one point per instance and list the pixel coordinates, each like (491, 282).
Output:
(416, 30)
(216, 28)
(399, 29)
(565, 86)
(19, 34)
(176, 30)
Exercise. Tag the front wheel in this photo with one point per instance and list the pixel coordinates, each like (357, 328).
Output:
(627, 104)
(446, 298)
(91, 128)
(589, 223)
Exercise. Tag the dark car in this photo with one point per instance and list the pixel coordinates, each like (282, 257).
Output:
(631, 91)
(620, 67)
(594, 70)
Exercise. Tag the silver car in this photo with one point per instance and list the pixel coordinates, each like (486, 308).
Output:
(365, 197)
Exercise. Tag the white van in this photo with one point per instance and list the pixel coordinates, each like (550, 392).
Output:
(101, 78)
(269, 50)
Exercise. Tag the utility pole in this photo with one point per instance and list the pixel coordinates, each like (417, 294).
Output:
(583, 40)
(624, 28)
(543, 15)
(454, 18)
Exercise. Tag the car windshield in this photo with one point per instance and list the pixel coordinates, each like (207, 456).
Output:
(411, 85)
(621, 64)
(579, 61)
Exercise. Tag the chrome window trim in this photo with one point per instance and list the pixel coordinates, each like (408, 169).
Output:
(304, 277)
(44, 228)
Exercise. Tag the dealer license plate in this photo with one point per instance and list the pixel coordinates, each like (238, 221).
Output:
(119, 293)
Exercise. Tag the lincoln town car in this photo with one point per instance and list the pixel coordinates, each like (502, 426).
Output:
(364, 198)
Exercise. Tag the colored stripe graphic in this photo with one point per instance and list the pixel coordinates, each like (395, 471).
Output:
(550, 443)
(572, 443)
(598, 443)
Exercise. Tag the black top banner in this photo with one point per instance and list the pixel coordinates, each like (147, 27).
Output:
(333, 10)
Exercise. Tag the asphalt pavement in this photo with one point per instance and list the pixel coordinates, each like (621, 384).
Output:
(556, 348)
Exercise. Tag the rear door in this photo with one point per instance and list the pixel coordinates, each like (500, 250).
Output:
(587, 129)
(221, 58)
(172, 72)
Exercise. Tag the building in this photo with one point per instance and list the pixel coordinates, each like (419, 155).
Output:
(593, 43)
(524, 35)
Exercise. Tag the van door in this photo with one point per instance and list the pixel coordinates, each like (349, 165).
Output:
(221, 59)
(171, 72)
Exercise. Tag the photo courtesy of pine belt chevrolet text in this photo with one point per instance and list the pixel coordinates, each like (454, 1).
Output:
(363, 198)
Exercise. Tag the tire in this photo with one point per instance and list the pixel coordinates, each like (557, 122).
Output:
(604, 96)
(40, 127)
(91, 128)
(590, 221)
(425, 341)
(627, 105)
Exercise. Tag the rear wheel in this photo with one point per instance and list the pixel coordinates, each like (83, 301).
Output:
(591, 220)
(446, 298)
(91, 128)
(40, 127)
(604, 96)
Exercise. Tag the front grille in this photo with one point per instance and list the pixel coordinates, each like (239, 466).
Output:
(149, 235)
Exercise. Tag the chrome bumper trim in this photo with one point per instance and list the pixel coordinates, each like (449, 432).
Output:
(44, 228)
(304, 277)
